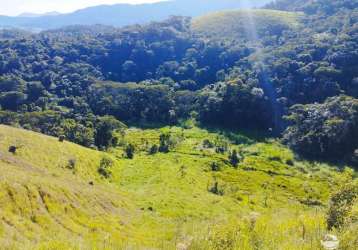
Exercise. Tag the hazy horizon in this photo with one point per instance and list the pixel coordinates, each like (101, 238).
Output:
(18, 7)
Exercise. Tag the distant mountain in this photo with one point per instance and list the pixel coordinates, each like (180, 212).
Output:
(126, 14)
(28, 14)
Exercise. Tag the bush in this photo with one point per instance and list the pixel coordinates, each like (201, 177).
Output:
(106, 173)
(290, 162)
(165, 143)
(153, 149)
(208, 144)
(71, 163)
(221, 145)
(105, 167)
(234, 158)
(341, 204)
(106, 162)
(215, 189)
(12, 149)
(215, 167)
(129, 150)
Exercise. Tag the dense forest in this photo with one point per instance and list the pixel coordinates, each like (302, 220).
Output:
(295, 77)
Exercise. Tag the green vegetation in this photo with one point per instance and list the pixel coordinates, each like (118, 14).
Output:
(161, 200)
(318, 130)
(239, 24)
(314, 7)
(184, 141)
(231, 69)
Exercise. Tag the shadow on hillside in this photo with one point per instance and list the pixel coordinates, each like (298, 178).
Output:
(235, 136)
(146, 125)
(340, 165)
(241, 136)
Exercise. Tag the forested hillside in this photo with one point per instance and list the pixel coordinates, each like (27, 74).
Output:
(234, 130)
(237, 69)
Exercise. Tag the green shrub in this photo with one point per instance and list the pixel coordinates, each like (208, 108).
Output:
(129, 150)
(153, 149)
(290, 162)
(166, 143)
(215, 167)
(341, 204)
(234, 158)
(216, 189)
(221, 145)
(71, 163)
(208, 144)
(105, 167)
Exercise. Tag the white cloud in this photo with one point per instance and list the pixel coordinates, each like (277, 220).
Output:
(16, 7)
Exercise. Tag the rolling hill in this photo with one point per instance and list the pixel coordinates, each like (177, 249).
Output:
(126, 14)
(159, 201)
(245, 24)
(46, 204)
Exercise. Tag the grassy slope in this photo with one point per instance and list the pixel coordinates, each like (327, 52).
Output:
(160, 200)
(245, 24)
(43, 201)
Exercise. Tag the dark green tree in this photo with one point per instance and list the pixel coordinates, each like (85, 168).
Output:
(234, 158)
(129, 151)
(164, 143)
(104, 133)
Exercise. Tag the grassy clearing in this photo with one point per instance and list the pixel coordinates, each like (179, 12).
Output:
(162, 201)
(245, 24)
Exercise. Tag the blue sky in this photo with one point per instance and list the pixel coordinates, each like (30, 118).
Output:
(16, 7)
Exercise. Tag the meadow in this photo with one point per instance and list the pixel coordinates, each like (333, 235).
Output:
(52, 195)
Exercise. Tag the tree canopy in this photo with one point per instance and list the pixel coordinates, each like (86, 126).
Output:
(66, 81)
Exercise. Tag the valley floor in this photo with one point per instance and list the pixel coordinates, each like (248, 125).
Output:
(52, 195)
